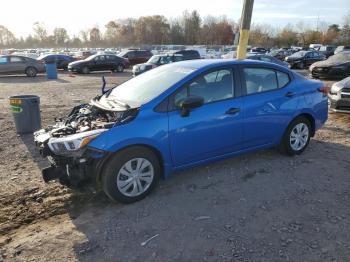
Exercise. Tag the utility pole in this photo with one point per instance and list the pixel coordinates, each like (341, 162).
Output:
(246, 19)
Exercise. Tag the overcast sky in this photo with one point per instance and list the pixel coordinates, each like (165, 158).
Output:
(74, 15)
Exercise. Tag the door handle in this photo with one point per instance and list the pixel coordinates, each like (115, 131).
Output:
(290, 94)
(232, 111)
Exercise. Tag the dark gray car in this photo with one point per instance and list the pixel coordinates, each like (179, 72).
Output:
(13, 64)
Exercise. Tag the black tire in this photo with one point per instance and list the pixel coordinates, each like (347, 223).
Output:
(120, 68)
(85, 70)
(285, 145)
(114, 165)
(31, 71)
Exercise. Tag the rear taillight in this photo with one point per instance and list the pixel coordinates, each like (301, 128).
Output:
(324, 90)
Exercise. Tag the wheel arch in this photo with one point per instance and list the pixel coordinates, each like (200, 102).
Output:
(158, 154)
(309, 117)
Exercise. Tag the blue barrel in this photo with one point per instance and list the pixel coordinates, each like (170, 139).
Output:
(51, 70)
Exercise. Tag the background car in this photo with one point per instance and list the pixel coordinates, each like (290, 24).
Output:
(12, 64)
(155, 61)
(61, 61)
(279, 54)
(342, 48)
(259, 50)
(339, 96)
(327, 50)
(336, 66)
(136, 56)
(99, 63)
(303, 59)
(81, 55)
(267, 58)
(189, 54)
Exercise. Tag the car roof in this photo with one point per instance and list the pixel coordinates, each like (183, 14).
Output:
(208, 63)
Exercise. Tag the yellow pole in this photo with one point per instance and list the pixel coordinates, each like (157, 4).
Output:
(244, 28)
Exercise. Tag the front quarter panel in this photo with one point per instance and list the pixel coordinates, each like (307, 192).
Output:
(149, 128)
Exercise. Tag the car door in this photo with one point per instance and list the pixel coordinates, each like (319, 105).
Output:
(99, 63)
(213, 129)
(4, 65)
(17, 64)
(311, 58)
(270, 100)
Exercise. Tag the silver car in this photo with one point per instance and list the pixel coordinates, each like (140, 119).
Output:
(13, 64)
(339, 96)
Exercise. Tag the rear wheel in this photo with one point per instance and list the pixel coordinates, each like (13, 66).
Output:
(31, 71)
(131, 174)
(297, 137)
(120, 68)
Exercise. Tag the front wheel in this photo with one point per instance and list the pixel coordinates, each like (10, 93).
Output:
(297, 137)
(31, 71)
(131, 174)
(85, 70)
(120, 68)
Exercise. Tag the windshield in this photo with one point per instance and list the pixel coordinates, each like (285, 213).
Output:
(145, 87)
(90, 57)
(299, 54)
(153, 60)
(122, 53)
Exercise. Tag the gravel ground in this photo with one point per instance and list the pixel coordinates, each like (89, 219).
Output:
(256, 207)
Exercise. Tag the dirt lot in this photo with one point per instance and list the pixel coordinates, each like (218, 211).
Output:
(257, 207)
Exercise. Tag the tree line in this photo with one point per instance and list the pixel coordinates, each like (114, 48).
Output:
(188, 29)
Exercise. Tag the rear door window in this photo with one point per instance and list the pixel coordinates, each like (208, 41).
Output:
(259, 80)
(16, 59)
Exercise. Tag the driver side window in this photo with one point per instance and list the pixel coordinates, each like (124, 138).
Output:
(213, 86)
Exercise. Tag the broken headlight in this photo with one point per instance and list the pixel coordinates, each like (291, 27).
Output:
(72, 143)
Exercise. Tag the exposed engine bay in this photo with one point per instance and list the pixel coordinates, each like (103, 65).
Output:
(85, 121)
(64, 143)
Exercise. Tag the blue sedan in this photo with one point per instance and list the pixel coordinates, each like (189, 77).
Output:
(182, 115)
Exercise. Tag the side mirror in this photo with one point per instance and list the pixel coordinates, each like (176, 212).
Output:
(190, 103)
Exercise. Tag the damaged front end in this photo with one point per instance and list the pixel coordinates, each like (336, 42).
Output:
(65, 143)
